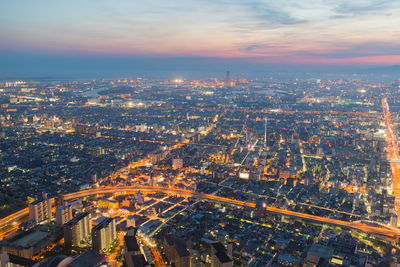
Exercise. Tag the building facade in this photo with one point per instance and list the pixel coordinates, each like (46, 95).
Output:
(77, 229)
(104, 234)
(63, 214)
(40, 210)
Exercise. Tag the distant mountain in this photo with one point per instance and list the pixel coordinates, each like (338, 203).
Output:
(391, 69)
(383, 73)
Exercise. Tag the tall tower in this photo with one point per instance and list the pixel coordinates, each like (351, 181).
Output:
(265, 132)
(228, 78)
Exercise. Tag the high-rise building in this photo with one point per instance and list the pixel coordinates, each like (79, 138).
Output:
(104, 234)
(77, 229)
(40, 209)
(94, 177)
(63, 214)
(177, 163)
(265, 132)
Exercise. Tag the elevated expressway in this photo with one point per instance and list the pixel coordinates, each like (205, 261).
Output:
(386, 232)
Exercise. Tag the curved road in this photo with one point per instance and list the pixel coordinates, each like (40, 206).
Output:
(389, 233)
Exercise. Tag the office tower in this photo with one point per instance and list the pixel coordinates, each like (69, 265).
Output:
(94, 177)
(104, 234)
(40, 209)
(177, 163)
(77, 229)
(219, 256)
(176, 251)
(63, 214)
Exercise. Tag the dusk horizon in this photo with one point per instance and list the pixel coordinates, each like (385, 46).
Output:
(255, 35)
(22, 65)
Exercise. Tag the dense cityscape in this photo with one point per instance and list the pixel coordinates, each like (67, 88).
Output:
(214, 172)
(212, 133)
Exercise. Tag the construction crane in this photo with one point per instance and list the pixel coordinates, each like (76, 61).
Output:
(265, 132)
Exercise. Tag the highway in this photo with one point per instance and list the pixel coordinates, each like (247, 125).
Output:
(393, 153)
(388, 233)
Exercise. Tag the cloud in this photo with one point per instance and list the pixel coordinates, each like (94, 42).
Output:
(255, 47)
(263, 48)
(267, 14)
(362, 7)
(330, 29)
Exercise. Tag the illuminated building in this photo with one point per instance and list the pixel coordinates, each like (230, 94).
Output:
(30, 243)
(77, 229)
(63, 214)
(244, 175)
(104, 234)
(40, 210)
(177, 164)
(94, 177)
(106, 203)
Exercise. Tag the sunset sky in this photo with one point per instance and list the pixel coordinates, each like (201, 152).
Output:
(307, 32)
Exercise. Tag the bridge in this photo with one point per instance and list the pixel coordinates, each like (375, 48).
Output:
(389, 233)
